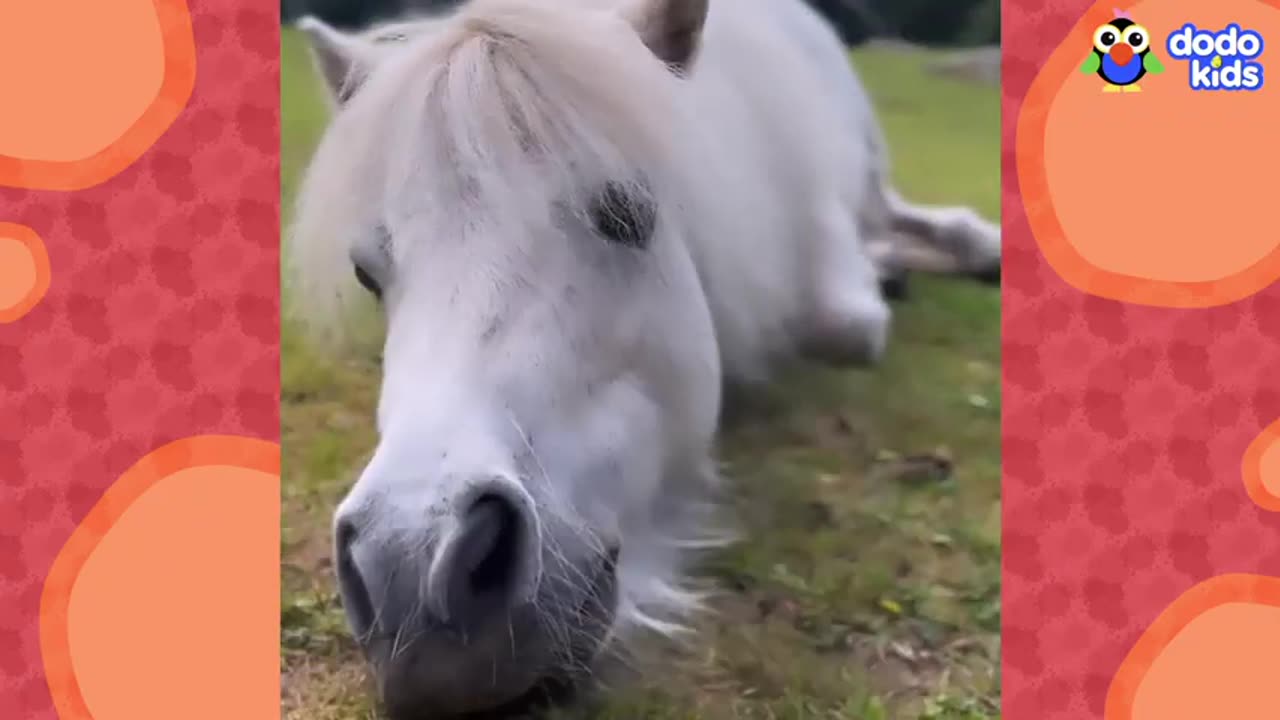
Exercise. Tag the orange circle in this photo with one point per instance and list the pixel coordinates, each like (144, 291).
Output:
(164, 602)
(24, 271)
(1159, 197)
(1261, 468)
(17, 272)
(1230, 653)
(99, 84)
(1211, 654)
(1270, 470)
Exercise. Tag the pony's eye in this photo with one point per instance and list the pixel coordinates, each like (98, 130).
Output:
(622, 217)
(367, 282)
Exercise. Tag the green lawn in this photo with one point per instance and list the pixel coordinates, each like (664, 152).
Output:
(869, 582)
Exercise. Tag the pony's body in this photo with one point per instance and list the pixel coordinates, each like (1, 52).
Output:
(774, 201)
(580, 217)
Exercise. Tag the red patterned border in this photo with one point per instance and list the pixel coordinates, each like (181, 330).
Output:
(161, 316)
(1124, 433)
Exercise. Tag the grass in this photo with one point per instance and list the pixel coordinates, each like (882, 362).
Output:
(869, 583)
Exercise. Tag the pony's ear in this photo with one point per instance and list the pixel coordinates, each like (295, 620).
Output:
(671, 29)
(343, 60)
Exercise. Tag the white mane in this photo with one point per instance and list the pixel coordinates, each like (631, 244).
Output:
(511, 106)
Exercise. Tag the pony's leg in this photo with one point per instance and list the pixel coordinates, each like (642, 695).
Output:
(895, 276)
(944, 239)
(874, 220)
(848, 321)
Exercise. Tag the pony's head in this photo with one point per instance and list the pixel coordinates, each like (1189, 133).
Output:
(508, 183)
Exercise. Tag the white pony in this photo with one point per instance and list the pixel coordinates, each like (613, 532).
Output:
(580, 217)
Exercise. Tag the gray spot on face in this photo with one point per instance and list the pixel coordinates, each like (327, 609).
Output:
(491, 331)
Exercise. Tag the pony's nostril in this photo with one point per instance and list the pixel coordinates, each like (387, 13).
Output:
(495, 526)
(490, 549)
(344, 534)
(496, 530)
(355, 594)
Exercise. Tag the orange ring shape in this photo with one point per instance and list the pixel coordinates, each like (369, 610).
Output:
(1188, 656)
(175, 88)
(221, 464)
(1262, 462)
(1037, 197)
(36, 285)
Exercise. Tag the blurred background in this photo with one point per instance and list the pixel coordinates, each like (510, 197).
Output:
(924, 22)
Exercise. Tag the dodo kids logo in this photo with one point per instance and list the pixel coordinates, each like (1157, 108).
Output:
(1223, 60)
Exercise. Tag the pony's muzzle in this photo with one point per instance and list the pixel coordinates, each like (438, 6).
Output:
(461, 568)
(448, 598)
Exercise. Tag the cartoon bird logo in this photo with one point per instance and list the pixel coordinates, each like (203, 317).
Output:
(1121, 54)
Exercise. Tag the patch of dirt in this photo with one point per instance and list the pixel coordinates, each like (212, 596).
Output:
(325, 689)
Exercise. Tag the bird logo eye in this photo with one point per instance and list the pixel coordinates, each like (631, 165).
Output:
(1137, 37)
(1105, 37)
